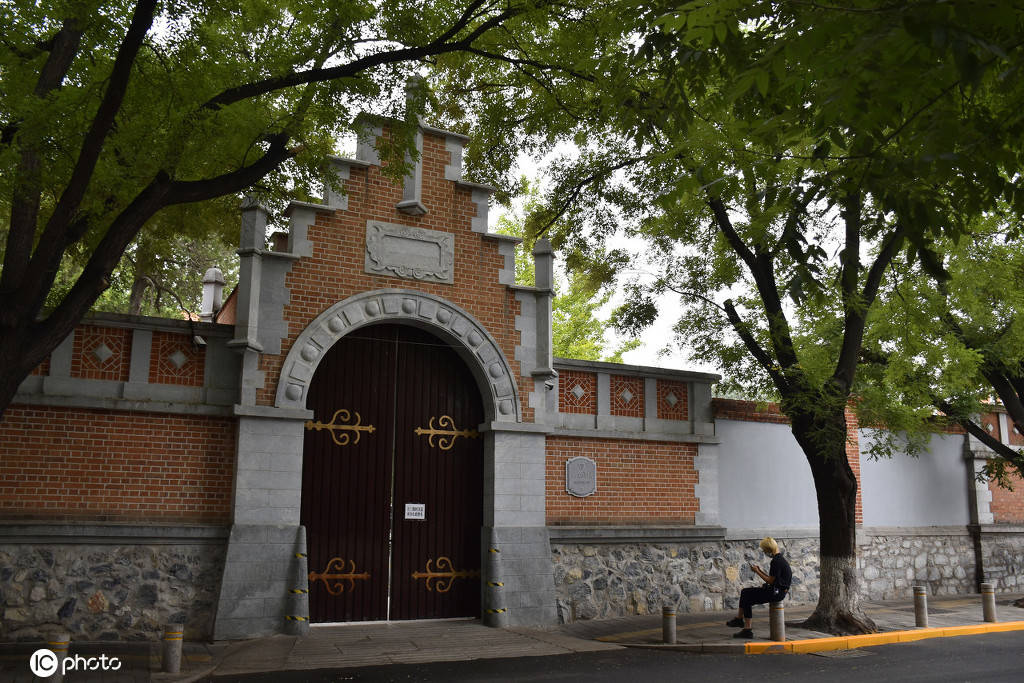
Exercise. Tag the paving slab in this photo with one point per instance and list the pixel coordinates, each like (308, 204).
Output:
(358, 645)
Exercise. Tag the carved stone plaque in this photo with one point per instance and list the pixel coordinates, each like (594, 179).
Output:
(411, 253)
(580, 476)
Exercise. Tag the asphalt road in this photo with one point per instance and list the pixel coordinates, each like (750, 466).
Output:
(988, 657)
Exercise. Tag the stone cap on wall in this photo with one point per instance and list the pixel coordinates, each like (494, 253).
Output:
(633, 534)
(635, 370)
(146, 322)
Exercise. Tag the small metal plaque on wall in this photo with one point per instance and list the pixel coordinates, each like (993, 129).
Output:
(580, 476)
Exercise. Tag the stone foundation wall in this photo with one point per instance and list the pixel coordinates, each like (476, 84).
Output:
(1002, 554)
(108, 591)
(892, 564)
(612, 579)
(600, 581)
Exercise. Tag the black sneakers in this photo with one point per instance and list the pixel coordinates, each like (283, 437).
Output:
(735, 622)
(745, 633)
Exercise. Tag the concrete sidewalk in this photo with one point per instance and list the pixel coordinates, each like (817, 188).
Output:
(355, 645)
(358, 645)
(706, 631)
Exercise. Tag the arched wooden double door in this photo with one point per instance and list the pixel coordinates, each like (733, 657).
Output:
(392, 480)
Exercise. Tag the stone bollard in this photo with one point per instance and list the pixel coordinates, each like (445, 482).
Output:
(668, 624)
(988, 601)
(921, 606)
(777, 621)
(58, 645)
(173, 634)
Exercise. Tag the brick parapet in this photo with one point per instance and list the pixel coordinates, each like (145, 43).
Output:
(75, 464)
(747, 411)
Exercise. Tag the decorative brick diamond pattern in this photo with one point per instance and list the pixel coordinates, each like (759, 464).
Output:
(101, 353)
(577, 392)
(673, 400)
(627, 396)
(174, 359)
(178, 359)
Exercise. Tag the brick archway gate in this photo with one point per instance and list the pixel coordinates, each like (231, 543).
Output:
(392, 482)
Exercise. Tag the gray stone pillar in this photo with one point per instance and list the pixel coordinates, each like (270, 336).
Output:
(515, 544)
(251, 247)
(266, 553)
(213, 288)
(544, 276)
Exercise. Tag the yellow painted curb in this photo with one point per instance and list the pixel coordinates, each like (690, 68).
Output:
(870, 639)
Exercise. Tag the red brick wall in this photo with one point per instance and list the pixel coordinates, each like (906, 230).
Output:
(853, 456)
(747, 411)
(568, 402)
(666, 409)
(633, 387)
(42, 369)
(336, 269)
(1008, 506)
(990, 423)
(85, 364)
(638, 482)
(163, 371)
(91, 465)
(1016, 438)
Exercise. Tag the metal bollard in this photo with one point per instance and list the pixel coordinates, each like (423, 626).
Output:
(921, 606)
(668, 624)
(58, 644)
(173, 634)
(988, 602)
(777, 621)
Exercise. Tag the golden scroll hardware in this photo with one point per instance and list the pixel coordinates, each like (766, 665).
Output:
(340, 432)
(444, 575)
(333, 581)
(446, 433)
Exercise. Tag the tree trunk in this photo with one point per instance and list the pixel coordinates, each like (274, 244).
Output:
(823, 440)
(18, 359)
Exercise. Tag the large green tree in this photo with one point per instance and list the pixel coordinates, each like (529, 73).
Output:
(579, 327)
(111, 112)
(781, 156)
(949, 336)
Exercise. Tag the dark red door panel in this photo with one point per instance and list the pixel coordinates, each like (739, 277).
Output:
(395, 425)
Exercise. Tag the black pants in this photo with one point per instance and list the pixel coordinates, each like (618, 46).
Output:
(758, 596)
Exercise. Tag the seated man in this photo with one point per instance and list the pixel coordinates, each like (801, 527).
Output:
(776, 585)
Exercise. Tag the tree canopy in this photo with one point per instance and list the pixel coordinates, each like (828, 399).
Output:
(579, 329)
(780, 157)
(111, 112)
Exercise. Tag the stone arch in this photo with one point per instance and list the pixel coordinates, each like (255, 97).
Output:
(470, 339)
